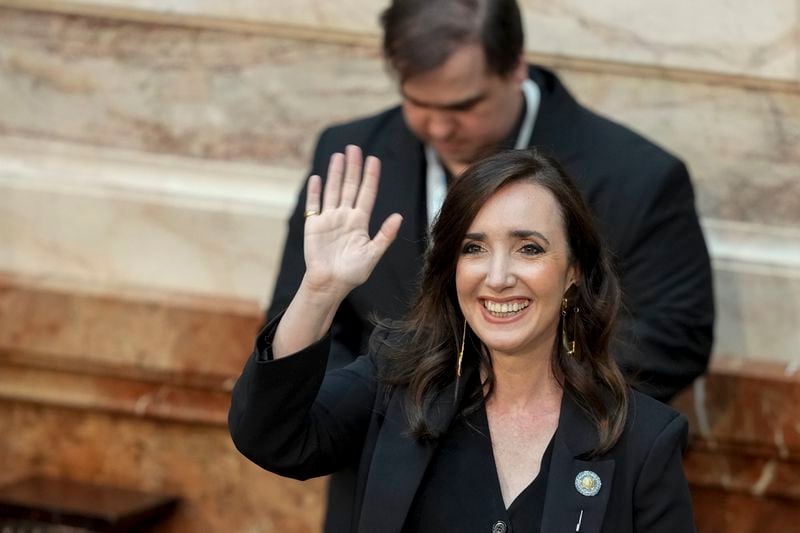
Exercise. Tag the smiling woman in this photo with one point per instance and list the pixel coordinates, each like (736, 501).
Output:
(514, 255)
(495, 406)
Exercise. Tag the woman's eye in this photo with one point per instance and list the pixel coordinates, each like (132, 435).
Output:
(471, 248)
(531, 249)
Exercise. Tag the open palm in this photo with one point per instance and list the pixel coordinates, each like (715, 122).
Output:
(339, 253)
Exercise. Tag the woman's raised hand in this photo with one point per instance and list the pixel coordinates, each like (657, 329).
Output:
(339, 253)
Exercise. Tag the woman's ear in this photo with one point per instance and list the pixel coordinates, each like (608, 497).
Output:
(574, 276)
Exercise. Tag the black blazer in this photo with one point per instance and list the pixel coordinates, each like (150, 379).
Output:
(290, 418)
(641, 197)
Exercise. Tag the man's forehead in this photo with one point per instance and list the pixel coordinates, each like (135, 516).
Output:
(443, 100)
(464, 75)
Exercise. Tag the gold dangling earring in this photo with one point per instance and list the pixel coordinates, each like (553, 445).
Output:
(461, 351)
(569, 346)
(459, 359)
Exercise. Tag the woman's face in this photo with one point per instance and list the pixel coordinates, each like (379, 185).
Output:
(513, 270)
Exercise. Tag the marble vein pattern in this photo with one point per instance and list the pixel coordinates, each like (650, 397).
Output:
(222, 95)
(168, 89)
(742, 39)
(746, 39)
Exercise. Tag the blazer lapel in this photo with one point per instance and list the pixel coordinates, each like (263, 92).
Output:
(566, 509)
(399, 462)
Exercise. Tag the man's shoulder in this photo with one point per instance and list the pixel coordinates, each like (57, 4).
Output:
(603, 142)
(624, 149)
(625, 145)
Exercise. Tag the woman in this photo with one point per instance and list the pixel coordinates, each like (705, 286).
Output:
(496, 406)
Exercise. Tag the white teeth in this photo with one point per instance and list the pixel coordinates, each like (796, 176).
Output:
(505, 309)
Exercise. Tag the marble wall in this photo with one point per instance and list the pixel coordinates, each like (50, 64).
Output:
(748, 39)
(245, 97)
(192, 139)
(149, 153)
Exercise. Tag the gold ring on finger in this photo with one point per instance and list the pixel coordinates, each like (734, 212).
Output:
(310, 213)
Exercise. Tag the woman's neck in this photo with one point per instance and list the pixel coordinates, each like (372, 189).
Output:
(521, 381)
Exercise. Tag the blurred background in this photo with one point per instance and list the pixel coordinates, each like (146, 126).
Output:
(150, 152)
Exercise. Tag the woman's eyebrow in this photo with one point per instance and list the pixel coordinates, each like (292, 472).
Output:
(517, 234)
(527, 233)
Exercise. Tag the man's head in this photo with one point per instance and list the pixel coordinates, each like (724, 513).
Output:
(459, 64)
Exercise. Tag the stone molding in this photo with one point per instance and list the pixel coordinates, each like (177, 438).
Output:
(571, 34)
(270, 192)
(131, 391)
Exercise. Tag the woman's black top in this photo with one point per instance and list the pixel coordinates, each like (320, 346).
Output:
(460, 490)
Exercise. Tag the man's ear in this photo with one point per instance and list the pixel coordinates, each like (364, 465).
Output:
(520, 72)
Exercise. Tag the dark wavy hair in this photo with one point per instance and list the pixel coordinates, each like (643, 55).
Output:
(424, 361)
(420, 35)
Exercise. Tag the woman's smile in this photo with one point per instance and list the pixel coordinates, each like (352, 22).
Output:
(506, 309)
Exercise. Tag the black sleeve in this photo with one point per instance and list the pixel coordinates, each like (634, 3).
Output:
(291, 418)
(667, 326)
(348, 328)
(662, 502)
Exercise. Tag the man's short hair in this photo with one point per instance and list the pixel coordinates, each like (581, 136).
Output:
(420, 35)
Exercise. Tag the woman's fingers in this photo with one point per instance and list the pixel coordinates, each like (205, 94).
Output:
(345, 187)
(348, 199)
(333, 184)
(369, 185)
(387, 233)
(352, 175)
(313, 192)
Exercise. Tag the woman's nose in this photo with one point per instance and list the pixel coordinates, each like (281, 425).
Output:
(499, 275)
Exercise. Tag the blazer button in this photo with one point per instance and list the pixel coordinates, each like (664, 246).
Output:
(499, 527)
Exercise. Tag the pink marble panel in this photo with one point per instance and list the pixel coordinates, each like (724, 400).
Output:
(716, 510)
(220, 489)
(743, 471)
(176, 333)
(747, 404)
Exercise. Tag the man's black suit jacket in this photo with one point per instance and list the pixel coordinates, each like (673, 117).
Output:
(291, 418)
(642, 200)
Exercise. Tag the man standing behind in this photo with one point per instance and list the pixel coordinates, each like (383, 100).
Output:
(466, 93)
